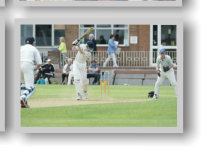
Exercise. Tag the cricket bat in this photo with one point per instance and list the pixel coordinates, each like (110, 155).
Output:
(85, 34)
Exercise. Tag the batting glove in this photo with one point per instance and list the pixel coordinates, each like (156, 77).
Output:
(76, 42)
(158, 73)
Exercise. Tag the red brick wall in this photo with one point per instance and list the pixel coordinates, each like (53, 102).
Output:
(144, 37)
(133, 31)
(141, 31)
(71, 33)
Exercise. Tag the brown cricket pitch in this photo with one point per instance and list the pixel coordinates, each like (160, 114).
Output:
(57, 102)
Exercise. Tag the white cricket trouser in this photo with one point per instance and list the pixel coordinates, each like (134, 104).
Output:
(170, 75)
(80, 77)
(112, 55)
(27, 74)
(70, 76)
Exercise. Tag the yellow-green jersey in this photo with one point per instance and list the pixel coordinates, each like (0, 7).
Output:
(62, 48)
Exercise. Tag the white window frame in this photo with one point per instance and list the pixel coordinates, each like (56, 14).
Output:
(112, 28)
(33, 28)
(159, 46)
(52, 36)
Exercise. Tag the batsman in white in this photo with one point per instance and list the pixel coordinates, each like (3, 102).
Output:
(29, 55)
(165, 70)
(80, 67)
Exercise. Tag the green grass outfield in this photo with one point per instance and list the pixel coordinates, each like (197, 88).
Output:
(155, 113)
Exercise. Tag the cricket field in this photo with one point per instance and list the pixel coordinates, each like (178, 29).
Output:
(126, 106)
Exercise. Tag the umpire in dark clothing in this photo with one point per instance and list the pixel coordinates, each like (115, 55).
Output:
(46, 71)
(91, 38)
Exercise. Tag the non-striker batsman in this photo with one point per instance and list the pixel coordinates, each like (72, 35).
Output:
(29, 55)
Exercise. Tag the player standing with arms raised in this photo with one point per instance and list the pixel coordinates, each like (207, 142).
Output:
(29, 55)
(165, 70)
(80, 67)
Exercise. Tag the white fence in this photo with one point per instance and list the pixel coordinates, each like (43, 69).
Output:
(127, 58)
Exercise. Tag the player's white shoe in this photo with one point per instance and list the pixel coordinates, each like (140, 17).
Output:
(86, 95)
(79, 97)
(155, 97)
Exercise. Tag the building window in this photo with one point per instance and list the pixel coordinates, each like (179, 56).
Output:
(155, 35)
(168, 35)
(45, 35)
(59, 31)
(163, 36)
(102, 33)
(173, 54)
(26, 31)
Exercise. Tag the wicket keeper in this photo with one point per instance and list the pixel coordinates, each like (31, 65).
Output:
(164, 70)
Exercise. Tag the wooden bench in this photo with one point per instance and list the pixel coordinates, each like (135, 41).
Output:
(141, 72)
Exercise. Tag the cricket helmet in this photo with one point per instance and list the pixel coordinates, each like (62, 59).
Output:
(29, 40)
(90, 44)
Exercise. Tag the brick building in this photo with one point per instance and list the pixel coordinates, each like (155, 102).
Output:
(135, 41)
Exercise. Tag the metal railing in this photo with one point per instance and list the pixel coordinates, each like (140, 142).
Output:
(126, 58)
(172, 54)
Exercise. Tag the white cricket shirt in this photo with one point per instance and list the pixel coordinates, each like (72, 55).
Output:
(167, 61)
(82, 58)
(29, 53)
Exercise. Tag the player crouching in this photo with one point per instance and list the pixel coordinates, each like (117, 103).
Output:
(80, 67)
(165, 70)
(28, 56)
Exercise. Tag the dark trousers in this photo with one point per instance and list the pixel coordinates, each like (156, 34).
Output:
(48, 77)
(42, 73)
(96, 77)
(64, 76)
